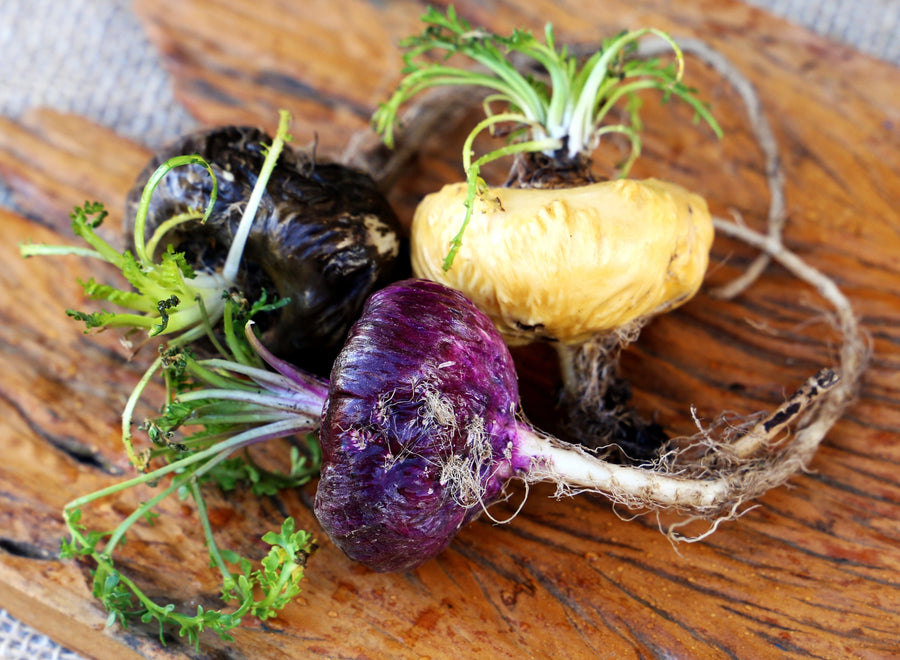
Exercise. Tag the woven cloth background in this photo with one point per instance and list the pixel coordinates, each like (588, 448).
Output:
(99, 64)
(95, 61)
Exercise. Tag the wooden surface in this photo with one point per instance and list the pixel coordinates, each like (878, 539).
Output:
(812, 570)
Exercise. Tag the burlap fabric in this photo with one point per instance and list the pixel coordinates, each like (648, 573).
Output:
(90, 57)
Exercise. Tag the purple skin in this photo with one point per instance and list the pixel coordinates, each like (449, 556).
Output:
(418, 433)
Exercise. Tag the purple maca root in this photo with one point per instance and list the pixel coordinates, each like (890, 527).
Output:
(419, 432)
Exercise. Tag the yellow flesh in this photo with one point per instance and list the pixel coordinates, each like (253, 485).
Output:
(568, 264)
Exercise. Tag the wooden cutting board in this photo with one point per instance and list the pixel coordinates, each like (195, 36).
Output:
(812, 569)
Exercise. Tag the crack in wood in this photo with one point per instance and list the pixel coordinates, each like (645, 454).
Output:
(26, 550)
(75, 449)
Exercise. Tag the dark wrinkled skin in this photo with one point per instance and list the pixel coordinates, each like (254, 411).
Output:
(614, 429)
(308, 242)
(380, 496)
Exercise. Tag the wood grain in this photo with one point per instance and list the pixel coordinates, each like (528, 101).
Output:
(812, 570)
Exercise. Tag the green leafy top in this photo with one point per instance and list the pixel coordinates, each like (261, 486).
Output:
(277, 580)
(229, 400)
(157, 290)
(562, 118)
(166, 297)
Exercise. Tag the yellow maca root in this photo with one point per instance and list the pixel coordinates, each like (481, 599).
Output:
(568, 264)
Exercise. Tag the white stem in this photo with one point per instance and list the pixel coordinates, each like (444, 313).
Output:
(270, 379)
(570, 466)
(236, 251)
(209, 287)
(310, 407)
